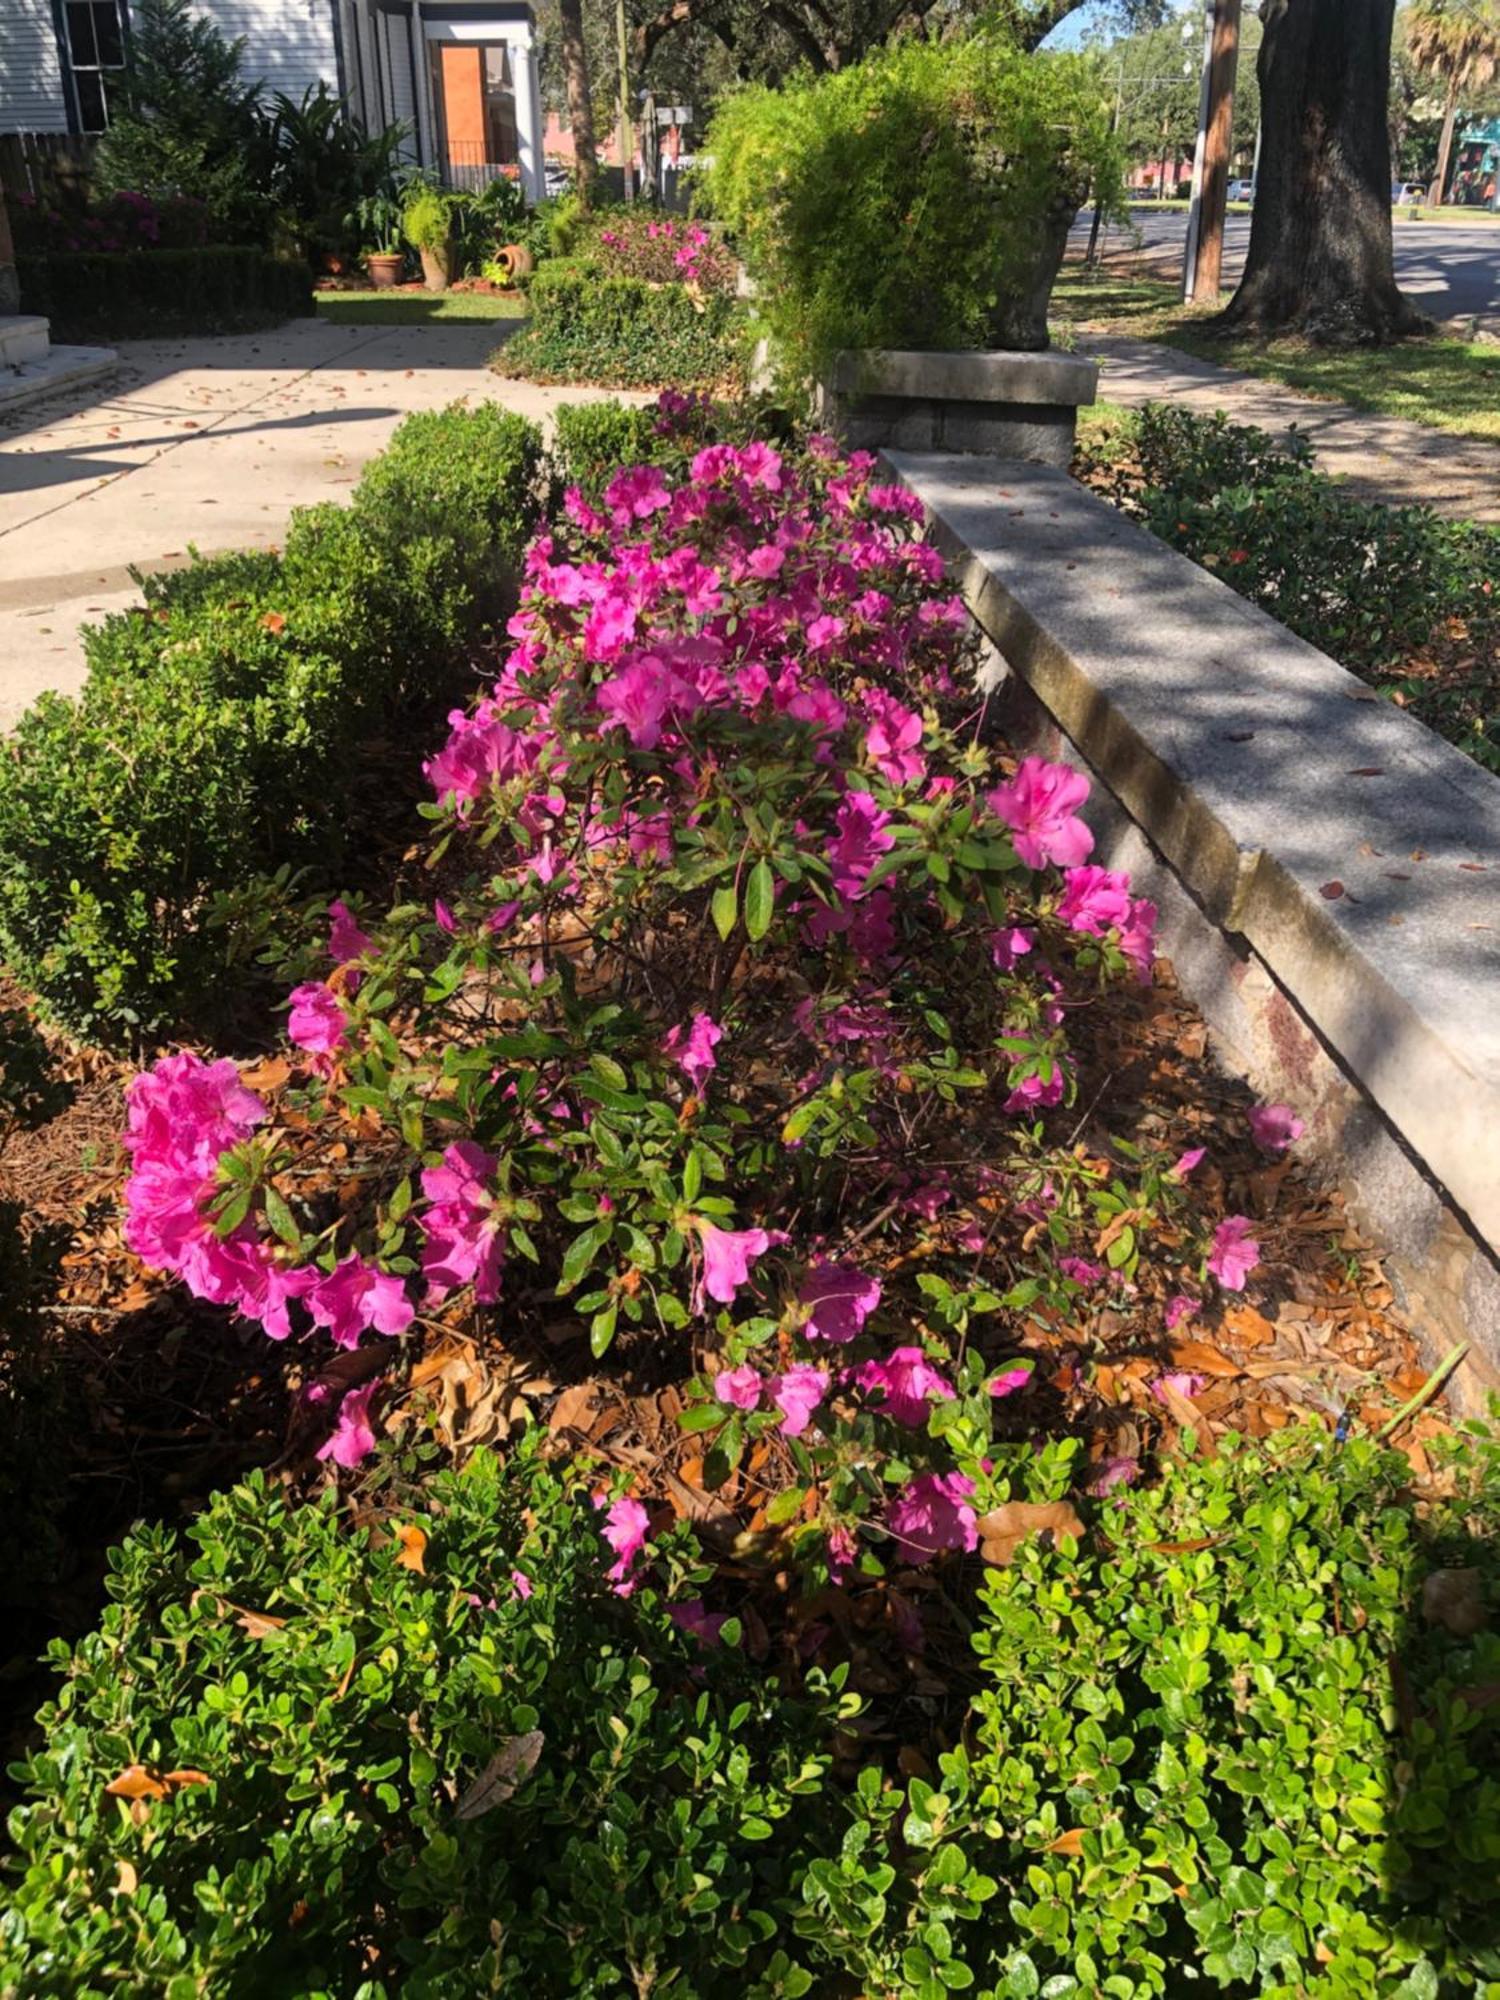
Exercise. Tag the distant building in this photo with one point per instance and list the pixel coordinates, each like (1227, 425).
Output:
(1476, 166)
(461, 75)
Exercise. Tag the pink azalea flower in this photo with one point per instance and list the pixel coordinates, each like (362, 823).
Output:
(931, 1513)
(346, 940)
(860, 840)
(316, 1022)
(839, 1299)
(355, 1297)
(479, 753)
(727, 1257)
(1114, 1472)
(1038, 805)
(766, 561)
(637, 494)
(738, 1388)
(1180, 1306)
(797, 1394)
(1274, 1127)
(1180, 1382)
(1082, 1270)
(462, 1233)
(1186, 1162)
(352, 1438)
(894, 738)
(521, 1584)
(697, 1621)
(1034, 1093)
(823, 632)
(1235, 1252)
(692, 1049)
(908, 1382)
(1094, 900)
(1008, 945)
(443, 917)
(1138, 935)
(625, 1529)
(842, 1551)
(1009, 1380)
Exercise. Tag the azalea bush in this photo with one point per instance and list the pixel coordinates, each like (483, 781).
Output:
(634, 242)
(748, 1013)
(918, 199)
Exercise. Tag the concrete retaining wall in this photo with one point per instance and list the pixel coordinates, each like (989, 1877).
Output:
(1022, 406)
(1327, 869)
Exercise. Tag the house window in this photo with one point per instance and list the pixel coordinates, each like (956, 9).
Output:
(96, 45)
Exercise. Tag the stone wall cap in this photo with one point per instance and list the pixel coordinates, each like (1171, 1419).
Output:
(966, 377)
(1356, 852)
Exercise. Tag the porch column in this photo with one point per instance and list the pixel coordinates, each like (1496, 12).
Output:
(528, 118)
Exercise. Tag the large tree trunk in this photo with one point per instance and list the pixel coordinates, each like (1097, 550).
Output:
(580, 104)
(1320, 240)
(1445, 148)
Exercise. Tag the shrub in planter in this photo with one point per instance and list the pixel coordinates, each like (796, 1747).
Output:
(217, 735)
(427, 225)
(1221, 1744)
(919, 199)
(624, 333)
(440, 1777)
(140, 294)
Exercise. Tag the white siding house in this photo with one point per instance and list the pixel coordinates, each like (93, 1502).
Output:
(461, 75)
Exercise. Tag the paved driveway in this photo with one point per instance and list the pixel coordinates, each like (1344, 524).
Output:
(209, 443)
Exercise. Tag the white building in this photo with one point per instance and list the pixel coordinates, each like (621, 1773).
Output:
(461, 75)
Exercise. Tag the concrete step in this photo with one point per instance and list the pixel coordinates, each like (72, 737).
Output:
(58, 369)
(23, 338)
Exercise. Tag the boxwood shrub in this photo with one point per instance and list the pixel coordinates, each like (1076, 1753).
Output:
(219, 731)
(625, 333)
(1229, 1740)
(143, 294)
(590, 441)
(344, 1711)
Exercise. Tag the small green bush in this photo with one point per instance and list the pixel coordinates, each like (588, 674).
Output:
(919, 199)
(1369, 584)
(218, 734)
(624, 333)
(591, 441)
(144, 294)
(644, 1789)
(1218, 1746)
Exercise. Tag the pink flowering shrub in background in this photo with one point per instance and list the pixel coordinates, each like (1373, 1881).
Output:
(747, 1011)
(664, 250)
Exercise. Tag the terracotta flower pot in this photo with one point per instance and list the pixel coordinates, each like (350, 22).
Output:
(385, 267)
(515, 260)
(437, 268)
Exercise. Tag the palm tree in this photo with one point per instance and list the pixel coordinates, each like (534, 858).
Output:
(1458, 43)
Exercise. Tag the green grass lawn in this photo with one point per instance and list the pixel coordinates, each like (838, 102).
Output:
(1453, 385)
(418, 308)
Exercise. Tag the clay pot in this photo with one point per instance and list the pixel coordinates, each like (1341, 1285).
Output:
(385, 268)
(515, 260)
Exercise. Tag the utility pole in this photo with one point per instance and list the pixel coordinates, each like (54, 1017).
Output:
(1204, 256)
(627, 142)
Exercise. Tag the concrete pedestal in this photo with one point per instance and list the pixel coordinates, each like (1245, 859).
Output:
(1008, 405)
(31, 367)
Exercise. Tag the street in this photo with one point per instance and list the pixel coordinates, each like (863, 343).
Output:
(1451, 269)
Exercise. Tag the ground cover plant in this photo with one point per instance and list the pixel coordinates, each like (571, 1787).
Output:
(1403, 598)
(763, 1050)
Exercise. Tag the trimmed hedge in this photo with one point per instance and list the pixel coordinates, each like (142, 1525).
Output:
(142, 294)
(1220, 1741)
(591, 441)
(625, 333)
(219, 732)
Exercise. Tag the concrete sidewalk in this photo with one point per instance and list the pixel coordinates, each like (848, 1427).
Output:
(208, 443)
(1379, 458)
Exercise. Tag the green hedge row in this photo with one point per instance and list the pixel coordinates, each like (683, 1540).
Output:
(1371, 585)
(219, 732)
(139, 294)
(624, 333)
(1214, 1743)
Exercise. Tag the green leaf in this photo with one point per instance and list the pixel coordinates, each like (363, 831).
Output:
(760, 900)
(702, 1417)
(725, 909)
(282, 1220)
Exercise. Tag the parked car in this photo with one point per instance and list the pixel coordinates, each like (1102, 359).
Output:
(1242, 190)
(1403, 192)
